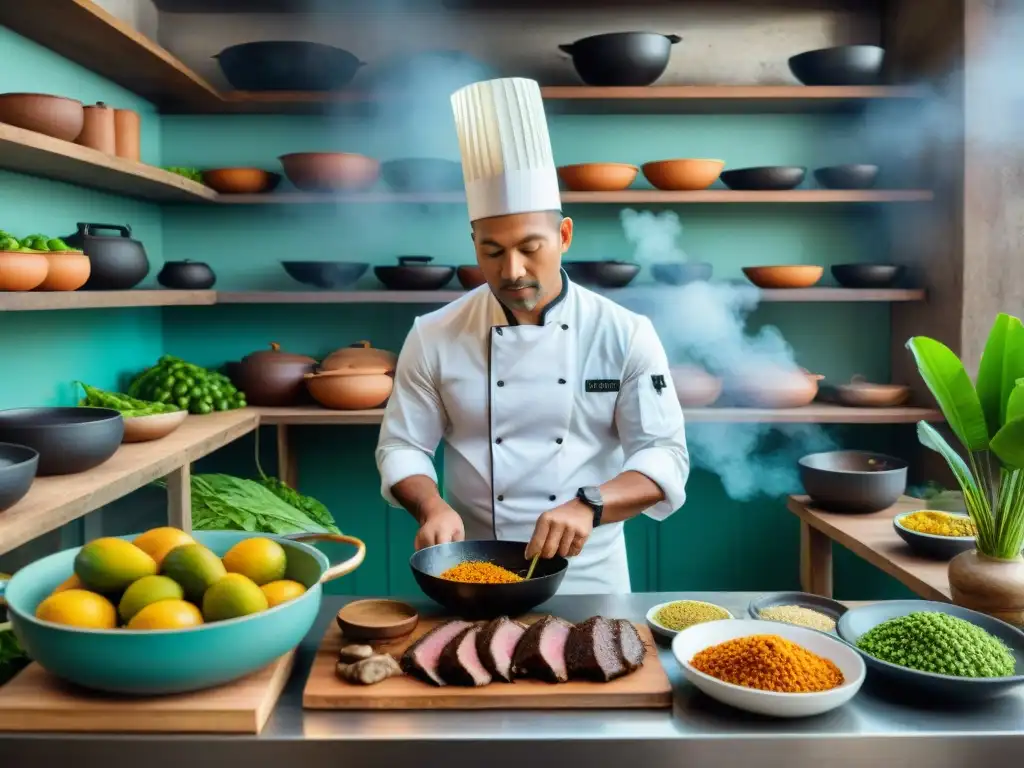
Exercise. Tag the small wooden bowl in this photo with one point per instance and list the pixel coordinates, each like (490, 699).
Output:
(241, 181)
(598, 177)
(860, 393)
(369, 620)
(142, 429)
(787, 276)
(683, 175)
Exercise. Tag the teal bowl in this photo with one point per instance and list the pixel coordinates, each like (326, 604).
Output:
(156, 662)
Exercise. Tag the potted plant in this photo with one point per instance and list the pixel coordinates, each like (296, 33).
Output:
(987, 417)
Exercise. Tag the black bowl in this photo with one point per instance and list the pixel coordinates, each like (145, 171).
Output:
(422, 174)
(867, 275)
(414, 273)
(847, 176)
(621, 58)
(932, 546)
(768, 177)
(69, 440)
(287, 65)
(853, 481)
(842, 65)
(486, 601)
(938, 688)
(18, 464)
(325, 274)
(681, 273)
(606, 274)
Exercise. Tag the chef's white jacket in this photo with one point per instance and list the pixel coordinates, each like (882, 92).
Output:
(531, 413)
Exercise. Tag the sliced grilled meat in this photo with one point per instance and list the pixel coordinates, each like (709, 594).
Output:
(630, 644)
(421, 658)
(459, 663)
(593, 651)
(496, 645)
(540, 653)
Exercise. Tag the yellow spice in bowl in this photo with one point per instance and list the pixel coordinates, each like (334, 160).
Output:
(939, 524)
(681, 614)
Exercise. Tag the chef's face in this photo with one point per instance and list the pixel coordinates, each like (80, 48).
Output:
(521, 256)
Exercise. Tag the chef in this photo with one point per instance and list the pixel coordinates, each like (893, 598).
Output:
(555, 405)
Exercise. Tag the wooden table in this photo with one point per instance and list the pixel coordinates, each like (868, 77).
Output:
(872, 538)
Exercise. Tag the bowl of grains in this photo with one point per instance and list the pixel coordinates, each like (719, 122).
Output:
(938, 649)
(669, 619)
(800, 608)
(936, 535)
(781, 671)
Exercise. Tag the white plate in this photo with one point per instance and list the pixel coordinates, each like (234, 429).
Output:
(700, 636)
(669, 634)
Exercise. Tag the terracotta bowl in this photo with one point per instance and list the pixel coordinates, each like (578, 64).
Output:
(788, 276)
(351, 389)
(68, 271)
(683, 174)
(770, 388)
(22, 271)
(598, 177)
(330, 171)
(860, 393)
(142, 429)
(470, 277)
(695, 387)
(53, 116)
(241, 181)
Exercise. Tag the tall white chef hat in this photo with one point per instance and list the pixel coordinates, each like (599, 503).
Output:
(507, 161)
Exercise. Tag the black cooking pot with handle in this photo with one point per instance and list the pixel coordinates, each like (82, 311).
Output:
(288, 65)
(118, 261)
(621, 58)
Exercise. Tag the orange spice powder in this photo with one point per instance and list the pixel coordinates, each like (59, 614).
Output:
(768, 663)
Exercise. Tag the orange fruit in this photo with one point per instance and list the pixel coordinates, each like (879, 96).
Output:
(78, 608)
(167, 614)
(157, 542)
(282, 591)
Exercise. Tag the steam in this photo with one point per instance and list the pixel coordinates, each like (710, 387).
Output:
(704, 324)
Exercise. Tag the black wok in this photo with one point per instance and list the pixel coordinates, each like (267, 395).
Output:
(486, 601)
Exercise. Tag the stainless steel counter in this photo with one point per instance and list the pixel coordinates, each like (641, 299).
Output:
(877, 727)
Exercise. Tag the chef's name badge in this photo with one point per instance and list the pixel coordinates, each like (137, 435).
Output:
(602, 385)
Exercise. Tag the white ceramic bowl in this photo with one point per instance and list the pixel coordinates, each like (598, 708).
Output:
(669, 634)
(700, 636)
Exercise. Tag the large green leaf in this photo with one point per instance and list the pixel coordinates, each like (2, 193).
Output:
(1015, 403)
(947, 379)
(1008, 443)
(1002, 364)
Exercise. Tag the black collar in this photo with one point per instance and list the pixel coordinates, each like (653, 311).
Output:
(551, 305)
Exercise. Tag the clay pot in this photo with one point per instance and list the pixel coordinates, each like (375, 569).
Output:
(359, 356)
(50, 115)
(597, 177)
(988, 585)
(470, 277)
(330, 171)
(22, 271)
(771, 387)
(695, 387)
(683, 175)
(98, 129)
(68, 271)
(351, 389)
(786, 276)
(128, 134)
(860, 393)
(241, 181)
(273, 378)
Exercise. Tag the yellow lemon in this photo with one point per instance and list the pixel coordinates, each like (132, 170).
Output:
(78, 608)
(147, 590)
(195, 567)
(233, 596)
(71, 582)
(110, 564)
(167, 614)
(157, 542)
(263, 560)
(282, 591)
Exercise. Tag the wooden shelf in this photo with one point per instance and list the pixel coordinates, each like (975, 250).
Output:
(54, 501)
(38, 155)
(31, 300)
(817, 413)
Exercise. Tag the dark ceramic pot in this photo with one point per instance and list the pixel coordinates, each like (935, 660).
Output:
(272, 377)
(853, 481)
(414, 273)
(605, 274)
(186, 275)
(842, 65)
(867, 275)
(287, 65)
(856, 176)
(118, 262)
(621, 58)
(68, 440)
(18, 465)
(325, 274)
(765, 178)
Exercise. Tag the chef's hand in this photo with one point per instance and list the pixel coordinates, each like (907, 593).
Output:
(561, 531)
(441, 525)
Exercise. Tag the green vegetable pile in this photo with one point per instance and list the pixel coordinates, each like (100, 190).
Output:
(194, 174)
(129, 407)
(32, 243)
(188, 386)
(939, 643)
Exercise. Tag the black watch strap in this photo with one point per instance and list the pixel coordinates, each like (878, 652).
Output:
(591, 496)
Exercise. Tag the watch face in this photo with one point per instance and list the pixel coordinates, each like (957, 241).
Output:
(593, 496)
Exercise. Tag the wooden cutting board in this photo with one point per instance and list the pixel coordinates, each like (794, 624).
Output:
(37, 701)
(647, 688)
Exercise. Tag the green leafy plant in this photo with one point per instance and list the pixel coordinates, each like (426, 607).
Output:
(987, 417)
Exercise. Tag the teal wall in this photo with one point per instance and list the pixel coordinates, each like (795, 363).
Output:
(713, 543)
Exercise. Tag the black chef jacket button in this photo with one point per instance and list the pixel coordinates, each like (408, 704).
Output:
(501, 498)
(558, 440)
(498, 330)
(551, 497)
(501, 383)
(565, 327)
(498, 441)
(561, 381)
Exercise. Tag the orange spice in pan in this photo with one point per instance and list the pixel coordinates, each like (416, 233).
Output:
(480, 572)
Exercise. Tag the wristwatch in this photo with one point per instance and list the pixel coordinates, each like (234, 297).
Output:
(591, 496)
